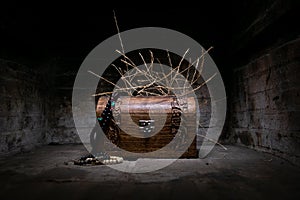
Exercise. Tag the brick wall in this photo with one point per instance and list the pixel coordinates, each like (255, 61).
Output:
(35, 107)
(60, 75)
(265, 103)
(22, 109)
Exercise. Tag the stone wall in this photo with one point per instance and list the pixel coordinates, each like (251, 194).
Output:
(35, 107)
(264, 111)
(61, 125)
(60, 75)
(23, 107)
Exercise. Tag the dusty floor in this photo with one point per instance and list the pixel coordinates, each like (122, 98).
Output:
(237, 173)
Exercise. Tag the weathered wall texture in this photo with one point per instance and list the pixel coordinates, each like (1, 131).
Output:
(60, 79)
(265, 106)
(61, 125)
(35, 107)
(22, 109)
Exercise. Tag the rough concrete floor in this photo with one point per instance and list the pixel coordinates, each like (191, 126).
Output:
(237, 173)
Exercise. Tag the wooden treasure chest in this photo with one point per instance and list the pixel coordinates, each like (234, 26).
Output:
(143, 124)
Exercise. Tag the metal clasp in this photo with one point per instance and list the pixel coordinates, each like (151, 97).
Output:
(146, 126)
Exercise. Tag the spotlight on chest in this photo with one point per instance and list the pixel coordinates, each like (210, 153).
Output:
(145, 124)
